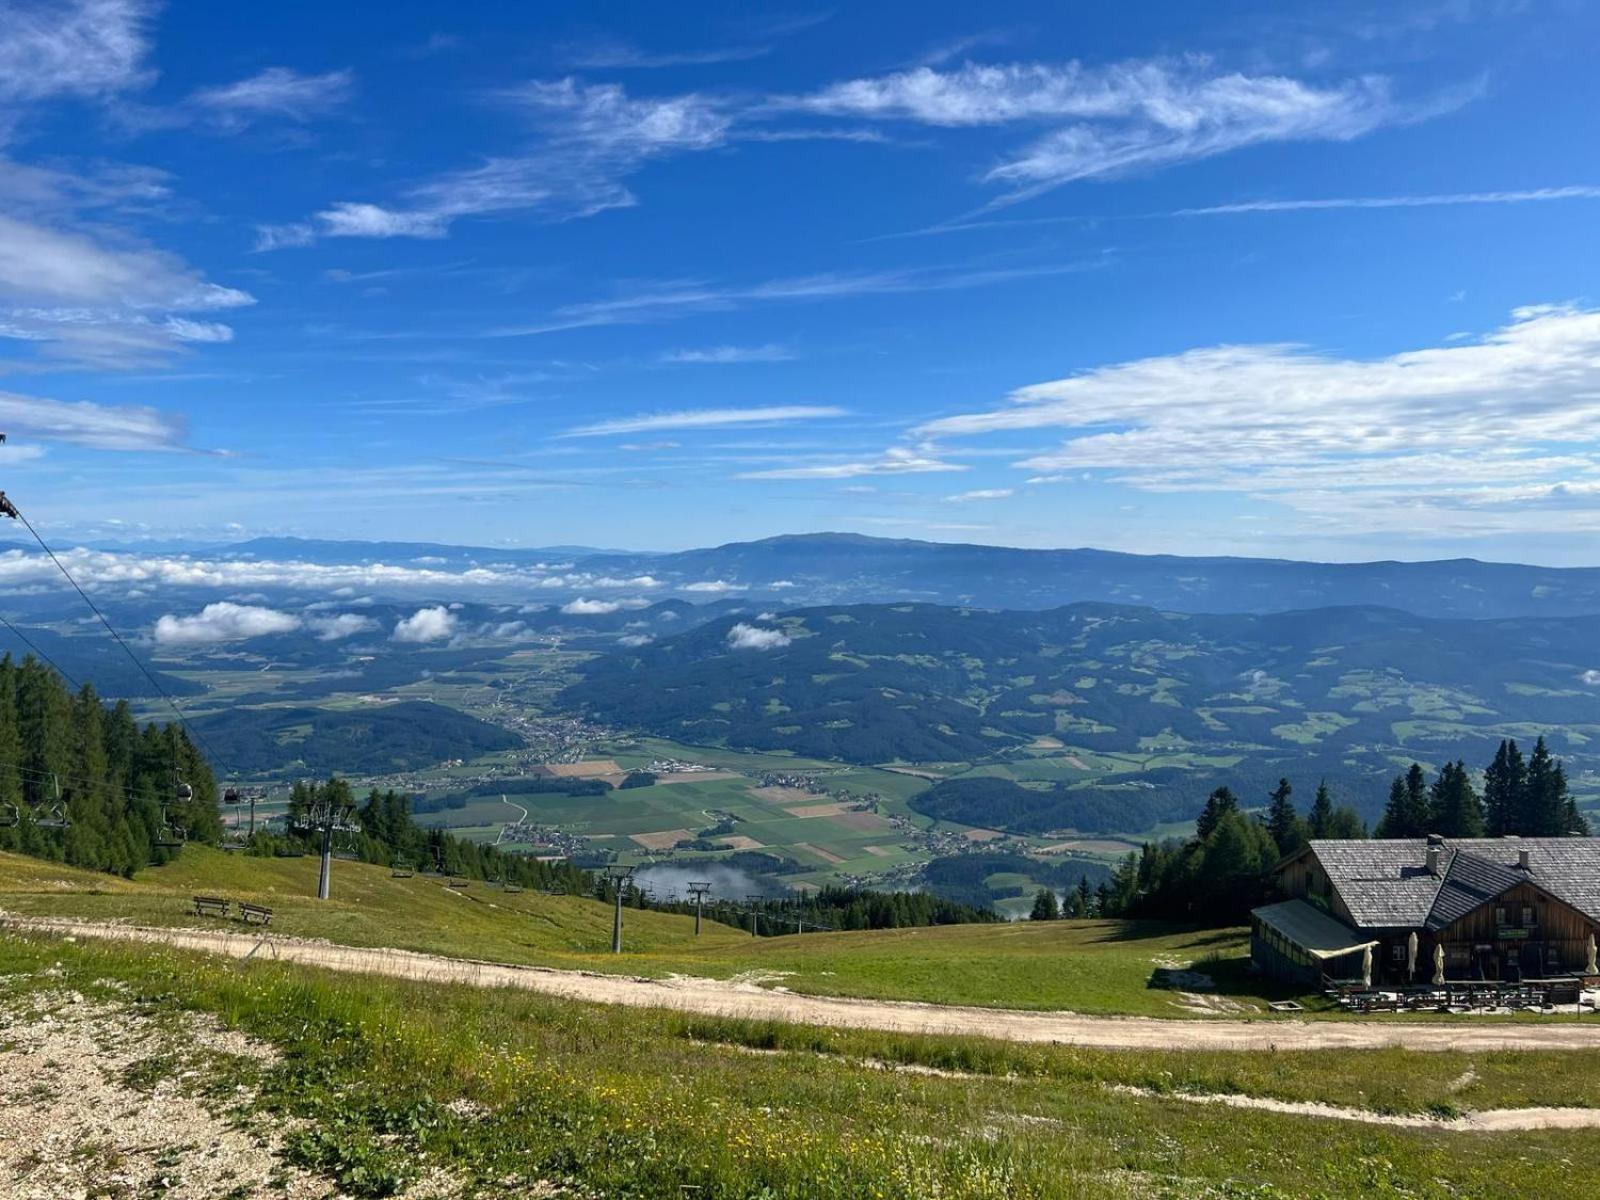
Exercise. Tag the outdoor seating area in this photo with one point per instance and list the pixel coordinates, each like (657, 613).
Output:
(1470, 996)
(222, 908)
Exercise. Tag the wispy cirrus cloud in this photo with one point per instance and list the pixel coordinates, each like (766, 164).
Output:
(83, 48)
(109, 304)
(588, 139)
(97, 426)
(1120, 118)
(613, 55)
(982, 494)
(275, 92)
(1500, 429)
(897, 460)
(723, 355)
(673, 300)
(708, 418)
(1434, 200)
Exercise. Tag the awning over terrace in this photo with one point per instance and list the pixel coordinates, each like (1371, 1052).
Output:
(1310, 930)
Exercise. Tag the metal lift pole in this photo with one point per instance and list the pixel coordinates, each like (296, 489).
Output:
(326, 870)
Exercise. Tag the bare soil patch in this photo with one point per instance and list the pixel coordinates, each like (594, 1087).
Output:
(782, 796)
(825, 855)
(816, 810)
(739, 841)
(583, 770)
(981, 835)
(665, 840)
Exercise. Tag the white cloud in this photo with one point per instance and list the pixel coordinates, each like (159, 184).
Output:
(275, 92)
(1532, 196)
(982, 494)
(589, 139)
(340, 626)
(753, 637)
(99, 303)
(280, 237)
(1454, 436)
(584, 607)
(93, 425)
(635, 639)
(673, 300)
(897, 460)
(721, 355)
(426, 625)
(714, 587)
(349, 219)
(75, 48)
(223, 622)
(1125, 117)
(708, 418)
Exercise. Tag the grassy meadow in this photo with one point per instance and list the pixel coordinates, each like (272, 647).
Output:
(509, 1093)
(1083, 966)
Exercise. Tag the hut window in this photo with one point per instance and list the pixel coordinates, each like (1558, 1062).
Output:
(1527, 916)
(1500, 914)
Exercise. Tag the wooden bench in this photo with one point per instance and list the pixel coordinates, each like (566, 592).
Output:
(255, 914)
(210, 906)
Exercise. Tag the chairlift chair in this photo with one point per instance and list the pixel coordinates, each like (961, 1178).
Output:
(511, 886)
(402, 868)
(168, 835)
(10, 815)
(230, 795)
(53, 816)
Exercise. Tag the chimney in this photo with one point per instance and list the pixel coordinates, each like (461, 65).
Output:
(1433, 858)
(1524, 861)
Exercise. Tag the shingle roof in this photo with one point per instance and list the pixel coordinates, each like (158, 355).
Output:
(1386, 884)
(1469, 882)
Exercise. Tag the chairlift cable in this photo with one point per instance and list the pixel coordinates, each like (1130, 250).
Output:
(48, 661)
(117, 637)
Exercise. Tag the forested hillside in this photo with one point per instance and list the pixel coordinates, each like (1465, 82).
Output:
(84, 783)
(392, 737)
(1341, 693)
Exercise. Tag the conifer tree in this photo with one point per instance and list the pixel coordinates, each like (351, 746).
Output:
(1045, 906)
(1221, 802)
(1406, 815)
(1283, 822)
(1503, 782)
(1454, 808)
(1320, 820)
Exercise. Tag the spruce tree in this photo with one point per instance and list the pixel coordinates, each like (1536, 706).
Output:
(1045, 906)
(1319, 823)
(1543, 807)
(1454, 808)
(1283, 822)
(1406, 815)
(1221, 802)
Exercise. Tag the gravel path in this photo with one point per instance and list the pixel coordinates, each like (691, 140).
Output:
(1491, 1120)
(72, 1125)
(746, 998)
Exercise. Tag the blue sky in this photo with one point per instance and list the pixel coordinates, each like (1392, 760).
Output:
(1218, 278)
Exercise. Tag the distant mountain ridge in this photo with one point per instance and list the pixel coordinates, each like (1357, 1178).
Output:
(844, 568)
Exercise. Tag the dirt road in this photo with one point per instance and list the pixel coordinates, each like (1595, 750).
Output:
(747, 999)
